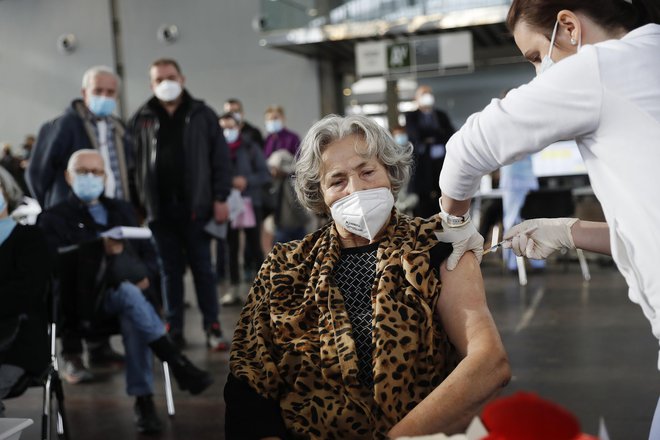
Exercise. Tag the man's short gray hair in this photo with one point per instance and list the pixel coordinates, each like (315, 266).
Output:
(398, 160)
(93, 72)
(71, 165)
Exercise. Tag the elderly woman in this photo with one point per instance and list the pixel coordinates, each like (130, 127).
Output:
(358, 330)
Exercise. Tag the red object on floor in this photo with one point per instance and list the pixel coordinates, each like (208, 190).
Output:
(525, 416)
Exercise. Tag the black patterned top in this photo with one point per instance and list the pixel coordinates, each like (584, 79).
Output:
(355, 274)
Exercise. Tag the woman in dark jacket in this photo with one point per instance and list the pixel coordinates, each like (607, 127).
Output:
(249, 176)
(24, 272)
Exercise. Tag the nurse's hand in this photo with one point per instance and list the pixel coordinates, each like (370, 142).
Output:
(463, 238)
(538, 238)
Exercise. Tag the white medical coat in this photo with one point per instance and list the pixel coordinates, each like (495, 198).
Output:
(607, 98)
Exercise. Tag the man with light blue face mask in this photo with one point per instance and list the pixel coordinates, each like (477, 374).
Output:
(87, 123)
(128, 275)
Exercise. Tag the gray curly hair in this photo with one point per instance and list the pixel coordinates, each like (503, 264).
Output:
(95, 71)
(398, 160)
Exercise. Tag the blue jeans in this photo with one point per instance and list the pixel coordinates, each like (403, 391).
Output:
(178, 243)
(9, 375)
(655, 425)
(140, 325)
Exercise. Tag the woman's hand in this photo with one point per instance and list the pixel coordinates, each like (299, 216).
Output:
(240, 183)
(112, 247)
(538, 238)
(143, 284)
(220, 211)
(463, 237)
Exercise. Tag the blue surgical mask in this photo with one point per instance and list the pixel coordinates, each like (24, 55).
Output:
(231, 135)
(88, 187)
(274, 125)
(101, 105)
(6, 224)
(401, 139)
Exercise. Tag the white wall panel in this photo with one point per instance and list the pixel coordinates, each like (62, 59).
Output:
(220, 56)
(37, 81)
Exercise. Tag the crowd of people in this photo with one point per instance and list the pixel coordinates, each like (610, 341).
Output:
(372, 325)
(171, 167)
(174, 167)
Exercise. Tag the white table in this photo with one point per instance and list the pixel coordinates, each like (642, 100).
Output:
(10, 429)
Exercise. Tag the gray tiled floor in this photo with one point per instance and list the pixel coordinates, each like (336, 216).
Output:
(584, 346)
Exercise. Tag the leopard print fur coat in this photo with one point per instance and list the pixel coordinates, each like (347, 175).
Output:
(293, 340)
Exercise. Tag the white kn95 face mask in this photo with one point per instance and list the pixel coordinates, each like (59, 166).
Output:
(167, 90)
(364, 213)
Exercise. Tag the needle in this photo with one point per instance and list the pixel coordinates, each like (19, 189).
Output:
(494, 247)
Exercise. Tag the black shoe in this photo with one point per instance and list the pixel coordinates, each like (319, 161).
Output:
(104, 355)
(178, 340)
(189, 377)
(146, 419)
(176, 336)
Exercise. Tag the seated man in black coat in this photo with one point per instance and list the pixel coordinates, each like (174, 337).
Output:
(112, 278)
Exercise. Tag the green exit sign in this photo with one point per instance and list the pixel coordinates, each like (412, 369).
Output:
(398, 55)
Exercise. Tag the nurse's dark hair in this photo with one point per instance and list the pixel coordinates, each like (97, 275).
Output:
(610, 14)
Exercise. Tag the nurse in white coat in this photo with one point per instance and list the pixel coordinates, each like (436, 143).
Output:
(600, 85)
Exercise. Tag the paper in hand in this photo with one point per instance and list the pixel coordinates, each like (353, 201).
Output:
(235, 204)
(127, 232)
(216, 230)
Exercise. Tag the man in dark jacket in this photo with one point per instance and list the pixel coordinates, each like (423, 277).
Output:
(112, 278)
(184, 177)
(428, 129)
(86, 123)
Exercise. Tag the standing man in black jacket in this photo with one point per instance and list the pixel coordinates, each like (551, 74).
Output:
(183, 178)
(428, 129)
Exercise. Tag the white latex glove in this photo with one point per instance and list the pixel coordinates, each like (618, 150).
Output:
(463, 238)
(538, 238)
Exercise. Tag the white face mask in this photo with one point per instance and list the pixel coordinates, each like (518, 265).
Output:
(364, 213)
(426, 100)
(167, 90)
(547, 62)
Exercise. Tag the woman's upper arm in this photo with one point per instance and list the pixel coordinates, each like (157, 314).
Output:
(463, 309)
